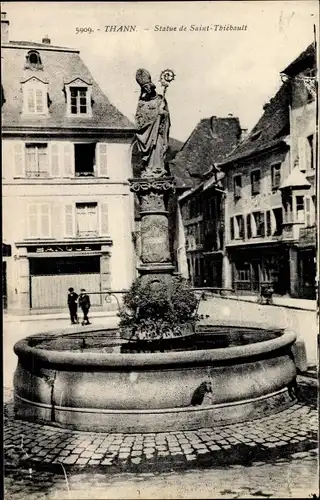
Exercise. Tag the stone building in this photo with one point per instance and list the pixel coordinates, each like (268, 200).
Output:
(270, 198)
(299, 190)
(66, 160)
(201, 196)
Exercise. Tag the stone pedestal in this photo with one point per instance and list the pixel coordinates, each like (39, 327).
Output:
(153, 196)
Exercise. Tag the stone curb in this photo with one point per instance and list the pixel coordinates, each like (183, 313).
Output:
(240, 299)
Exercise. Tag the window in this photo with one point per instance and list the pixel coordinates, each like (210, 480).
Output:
(237, 185)
(85, 159)
(33, 60)
(258, 218)
(300, 209)
(36, 160)
(276, 176)
(78, 101)
(255, 182)
(35, 98)
(277, 213)
(311, 155)
(268, 223)
(86, 219)
(249, 230)
(288, 217)
(243, 272)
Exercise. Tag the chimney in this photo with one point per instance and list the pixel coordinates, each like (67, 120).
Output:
(4, 28)
(244, 134)
(230, 114)
(46, 40)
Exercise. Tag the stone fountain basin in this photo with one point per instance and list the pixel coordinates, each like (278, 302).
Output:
(153, 392)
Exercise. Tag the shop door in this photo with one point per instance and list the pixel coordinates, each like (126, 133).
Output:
(255, 281)
(51, 279)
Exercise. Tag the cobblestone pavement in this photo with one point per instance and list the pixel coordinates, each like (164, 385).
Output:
(274, 456)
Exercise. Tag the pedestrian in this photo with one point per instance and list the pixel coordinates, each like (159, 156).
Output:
(73, 306)
(84, 303)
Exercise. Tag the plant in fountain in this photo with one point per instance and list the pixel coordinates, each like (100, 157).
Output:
(157, 309)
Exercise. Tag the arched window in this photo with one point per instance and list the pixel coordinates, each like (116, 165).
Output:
(34, 59)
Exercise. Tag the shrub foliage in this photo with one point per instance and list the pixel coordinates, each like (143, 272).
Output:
(158, 308)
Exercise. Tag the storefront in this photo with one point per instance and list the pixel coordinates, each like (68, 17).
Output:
(260, 265)
(213, 268)
(50, 270)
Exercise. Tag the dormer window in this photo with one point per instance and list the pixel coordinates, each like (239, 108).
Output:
(33, 60)
(35, 98)
(79, 103)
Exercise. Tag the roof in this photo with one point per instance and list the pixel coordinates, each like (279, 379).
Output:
(271, 130)
(307, 59)
(59, 68)
(296, 179)
(36, 45)
(210, 142)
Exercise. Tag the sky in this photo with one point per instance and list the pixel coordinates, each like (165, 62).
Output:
(218, 72)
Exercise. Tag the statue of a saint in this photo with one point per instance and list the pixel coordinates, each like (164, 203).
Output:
(152, 127)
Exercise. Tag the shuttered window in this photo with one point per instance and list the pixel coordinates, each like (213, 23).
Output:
(86, 219)
(35, 100)
(36, 160)
(39, 220)
(255, 182)
(237, 185)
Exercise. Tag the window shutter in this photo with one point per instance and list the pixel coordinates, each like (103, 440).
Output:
(19, 169)
(232, 228)
(303, 153)
(6, 156)
(68, 159)
(44, 220)
(101, 152)
(273, 222)
(104, 224)
(249, 232)
(69, 220)
(308, 211)
(33, 221)
(54, 159)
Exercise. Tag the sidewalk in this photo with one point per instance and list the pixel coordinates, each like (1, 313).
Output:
(287, 302)
(12, 318)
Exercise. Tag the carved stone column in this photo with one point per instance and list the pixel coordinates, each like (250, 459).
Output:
(153, 198)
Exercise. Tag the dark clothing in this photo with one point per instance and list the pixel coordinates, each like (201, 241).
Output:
(84, 303)
(73, 306)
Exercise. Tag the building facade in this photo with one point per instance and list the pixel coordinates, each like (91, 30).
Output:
(300, 190)
(66, 159)
(202, 202)
(270, 201)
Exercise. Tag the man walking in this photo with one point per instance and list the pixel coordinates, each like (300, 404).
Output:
(84, 303)
(73, 306)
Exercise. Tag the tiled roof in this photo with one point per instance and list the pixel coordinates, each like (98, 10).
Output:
(210, 142)
(307, 59)
(37, 45)
(59, 67)
(271, 129)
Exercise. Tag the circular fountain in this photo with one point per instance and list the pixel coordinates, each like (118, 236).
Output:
(96, 380)
(223, 374)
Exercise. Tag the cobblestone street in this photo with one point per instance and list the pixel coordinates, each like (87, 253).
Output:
(274, 456)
